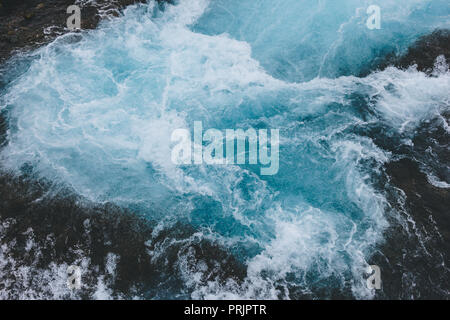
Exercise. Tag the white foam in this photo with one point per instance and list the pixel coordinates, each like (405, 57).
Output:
(97, 116)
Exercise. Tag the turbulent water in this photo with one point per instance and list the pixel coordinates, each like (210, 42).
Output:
(94, 113)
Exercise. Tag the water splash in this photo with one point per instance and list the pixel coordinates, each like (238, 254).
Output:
(96, 113)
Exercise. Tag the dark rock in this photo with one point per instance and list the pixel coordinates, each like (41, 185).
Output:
(62, 227)
(417, 248)
(422, 53)
(36, 16)
(413, 258)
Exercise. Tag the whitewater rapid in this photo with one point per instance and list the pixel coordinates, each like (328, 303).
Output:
(95, 111)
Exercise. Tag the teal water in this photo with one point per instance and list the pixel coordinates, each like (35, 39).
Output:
(95, 113)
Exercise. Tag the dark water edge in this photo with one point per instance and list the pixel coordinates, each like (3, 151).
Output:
(65, 227)
(28, 24)
(416, 254)
(422, 53)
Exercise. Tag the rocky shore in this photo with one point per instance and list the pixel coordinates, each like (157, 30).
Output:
(39, 232)
(422, 204)
(27, 24)
(423, 52)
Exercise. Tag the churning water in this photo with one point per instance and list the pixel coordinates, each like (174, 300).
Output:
(94, 112)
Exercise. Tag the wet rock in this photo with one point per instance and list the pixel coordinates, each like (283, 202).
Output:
(422, 53)
(38, 16)
(417, 246)
(40, 231)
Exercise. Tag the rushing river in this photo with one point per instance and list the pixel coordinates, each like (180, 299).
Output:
(94, 113)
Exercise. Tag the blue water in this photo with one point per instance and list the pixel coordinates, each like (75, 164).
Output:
(95, 113)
